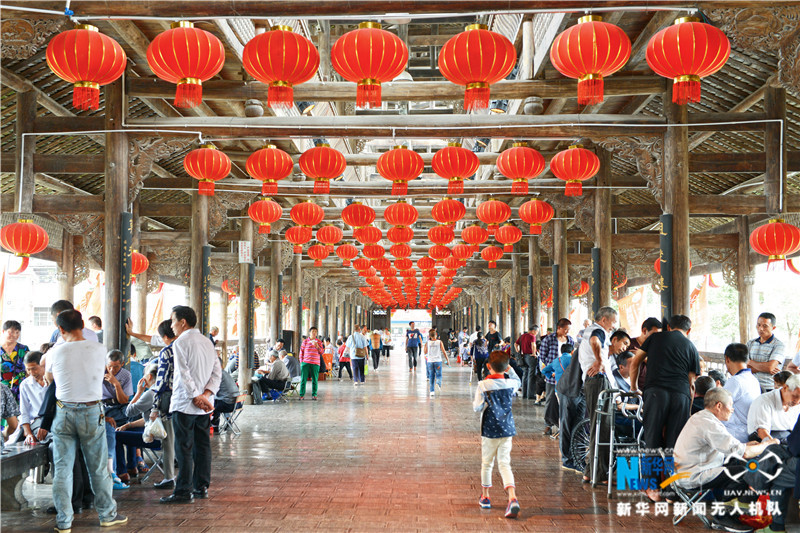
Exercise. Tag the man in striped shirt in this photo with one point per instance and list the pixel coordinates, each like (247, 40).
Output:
(310, 354)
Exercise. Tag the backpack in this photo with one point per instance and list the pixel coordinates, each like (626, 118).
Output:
(571, 382)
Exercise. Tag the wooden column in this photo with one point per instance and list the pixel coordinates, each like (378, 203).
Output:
(66, 281)
(515, 276)
(676, 199)
(602, 227)
(199, 239)
(560, 254)
(314, 305)
(116, 202)
(245, 309)
(534, 284)
(775, 175)
(297, 302)
(222, 340)
(25, 118)
(744, 280)
(139, 314)
(275, 299)
(492, 299)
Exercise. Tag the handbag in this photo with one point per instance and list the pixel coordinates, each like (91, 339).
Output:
(154, 430)
(571, 382)
(361, 352)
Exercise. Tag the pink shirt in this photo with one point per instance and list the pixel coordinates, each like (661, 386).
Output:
(311, 351)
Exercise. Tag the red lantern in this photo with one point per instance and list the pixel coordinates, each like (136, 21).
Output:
(441, 234)
(492, 213)
(357, 215)
(318, 252)
(474, 235)
(657, 265)
(403, 263)
(260, 295)
(346, 253)
(373, 251)
(208, 165)
(362, 264)
(687, 51)
(455, 164)
(139, 264)
(88, 59)
(520, 164)
(264, 212)
(24, 238)
(187, 56)
(298, 236)
(306, 214)
(400, 165)
(448, 211)
(547, 298)
(589, 51)
(536, 212)
(322, 163)
(492, 254)
(367, 272)
(281, 59)
(381, 263)
(776, 240)
(579, 290)
(400, 214)
(477, 58)
(618, 279)
(452, 263)
(230, 287)
(369, 56)
(439, 252)
(507, 235)
(425, 263)
(574, 165)
(462, 251)
(269, 165)
(400, 234)
(329, 235)
(400, 251)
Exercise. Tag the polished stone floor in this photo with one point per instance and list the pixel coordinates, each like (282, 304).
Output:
(382, 457)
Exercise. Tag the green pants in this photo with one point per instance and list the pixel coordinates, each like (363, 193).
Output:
(307, 369)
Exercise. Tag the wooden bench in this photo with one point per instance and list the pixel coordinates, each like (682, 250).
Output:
(17, 460)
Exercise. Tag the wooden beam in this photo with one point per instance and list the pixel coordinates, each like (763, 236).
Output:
(649, 241)
(24, 182)
(56, 124)
(755, 162)
(165, 210)
(417, 91)
(775, 174)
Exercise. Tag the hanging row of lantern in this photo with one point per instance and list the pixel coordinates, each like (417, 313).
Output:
(369, 56)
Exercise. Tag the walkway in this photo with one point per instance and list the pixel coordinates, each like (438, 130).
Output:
(382, 457)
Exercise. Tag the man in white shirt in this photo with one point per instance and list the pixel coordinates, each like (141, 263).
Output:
(774, 414)
(743, 388)
(31, 395)
(65, 305)
(196, 380)
(77, 366)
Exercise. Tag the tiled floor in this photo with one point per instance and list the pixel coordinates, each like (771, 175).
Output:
(382, 457)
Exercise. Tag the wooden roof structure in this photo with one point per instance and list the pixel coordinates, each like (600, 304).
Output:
(739, 174)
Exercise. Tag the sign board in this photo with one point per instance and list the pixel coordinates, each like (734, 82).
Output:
(245, 252)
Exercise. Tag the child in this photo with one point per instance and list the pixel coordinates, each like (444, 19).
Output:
(493, 397)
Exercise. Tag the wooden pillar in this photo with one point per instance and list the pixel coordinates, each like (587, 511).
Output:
(25, 118)
(116, 202)
(199, 239)
(515, 276)
(66, 281)
(275, 299)
(297, 302)
(676, 199)
(222, 340)
(560, 254)
(775, 175)
(744, 280)
(314, 305)
(245, 309)
(602, 228)
(534, 284)
(492, 317)
(325, 50)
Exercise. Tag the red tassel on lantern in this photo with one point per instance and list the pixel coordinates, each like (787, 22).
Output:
(189, 93)
(322, 187)
(476, 96)
(264, 228)
(573, 188)
(297, 248)
(269, 188)
(590, 90)
(455, 187)
(519, 187)
(686, 89)
(536, 229)
(206, 188)
(280, 95)
(368, 94)
(86, 95)
(508, 248)
(399, 188)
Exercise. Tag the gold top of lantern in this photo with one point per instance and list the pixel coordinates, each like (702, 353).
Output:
(590, 18)
(476, 27)
(281, 27)
(181, 24)
(686, 19)
(373, 25)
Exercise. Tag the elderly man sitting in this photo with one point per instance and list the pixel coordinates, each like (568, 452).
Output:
(774, 413)
(272, 376)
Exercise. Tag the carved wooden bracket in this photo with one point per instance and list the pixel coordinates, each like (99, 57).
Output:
(647, 151)
(143, 152)
(20, 38)
(90, 255)
(584, 214)
(770, 28)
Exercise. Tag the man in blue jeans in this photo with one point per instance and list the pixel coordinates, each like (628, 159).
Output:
(77, 366)
(413, 341)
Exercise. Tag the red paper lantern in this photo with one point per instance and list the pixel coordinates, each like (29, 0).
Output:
(452, 263)
(400, 165)
(362, 264)
(403, 263)
(318, 252)
(618, 279)
(455, 164)
(381, 263)
(368, 235)
(507, 235)
(579, 290)
(439, 252)
(139, 264)
(776, 240)
(187, 56)
(322, 164)
(264, 212)
(400, 251)
(208, 165)
(492, 213)
(373, 251)
(536, 212)
(448, 211)
(520, 164)
(346, 253)
(425, 263)
(687, 51)
(492, 254)
(329, 235)
(357, 215)
(369, 56)
(230, 287)
(269, 165)
(306, 214)
(400, 234)
(367, 272)
(474, 235)
(574, 165)
(476, 58)
(400, 214)
(657, 266)
(462, 251)
(441, 234)
(24, 238)
(589, 51)
(281, 59)
(88, 59)
(260, 295)
(298, 236)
